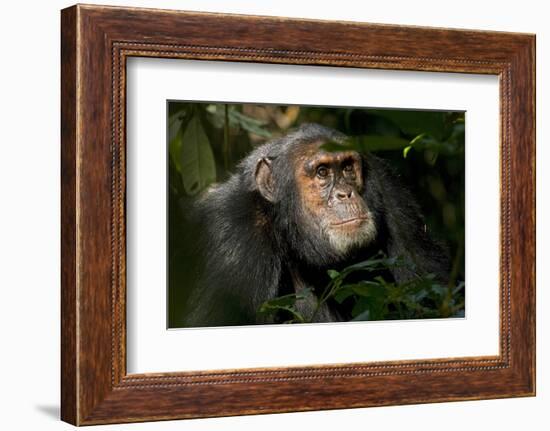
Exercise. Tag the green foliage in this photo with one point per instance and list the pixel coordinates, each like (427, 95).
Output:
(195, 158)
(372, 297)
(285, 303)
(190, 149)
(428, 122)
(237, 119)
(442, 137)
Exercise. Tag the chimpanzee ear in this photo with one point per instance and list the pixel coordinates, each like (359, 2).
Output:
(264, 179)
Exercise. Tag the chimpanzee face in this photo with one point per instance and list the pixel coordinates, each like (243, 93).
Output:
(327, 203)
(330, 187)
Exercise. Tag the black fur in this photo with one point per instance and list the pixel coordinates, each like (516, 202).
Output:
(256, 250)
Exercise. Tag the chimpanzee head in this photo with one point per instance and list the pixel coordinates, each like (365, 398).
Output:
(316, 197)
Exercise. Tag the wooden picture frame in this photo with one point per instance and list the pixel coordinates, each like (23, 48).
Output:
(95, 43)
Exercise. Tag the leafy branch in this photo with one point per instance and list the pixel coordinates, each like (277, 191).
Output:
(373, 297)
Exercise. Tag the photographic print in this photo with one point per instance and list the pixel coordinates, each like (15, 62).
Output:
(310, 214)
(232, 200)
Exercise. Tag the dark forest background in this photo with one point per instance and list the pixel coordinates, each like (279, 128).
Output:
(426, 148)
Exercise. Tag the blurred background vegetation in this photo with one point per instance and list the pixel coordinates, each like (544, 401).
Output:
(426, 148)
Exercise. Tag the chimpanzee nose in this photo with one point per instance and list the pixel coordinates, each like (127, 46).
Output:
(344, 194)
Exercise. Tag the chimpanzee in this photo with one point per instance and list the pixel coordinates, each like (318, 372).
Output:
(292, 211)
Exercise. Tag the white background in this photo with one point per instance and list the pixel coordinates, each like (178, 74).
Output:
(151, 348)
(29, 215)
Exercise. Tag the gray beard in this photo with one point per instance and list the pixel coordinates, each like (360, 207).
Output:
(344, 242)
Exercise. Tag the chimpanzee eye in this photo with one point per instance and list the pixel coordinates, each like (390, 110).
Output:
(348, 168)
(322, 171)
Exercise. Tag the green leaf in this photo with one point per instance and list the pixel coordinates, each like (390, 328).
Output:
(285, 303)
(362, 316)
(238, 119)
(418, 138)
(333, 273)
(406, 151)
(343, 293)
(198, 169)
(174, 125)
(250, 124)
(368, 309)
(374, 264)
(369, 289)
(281, 301)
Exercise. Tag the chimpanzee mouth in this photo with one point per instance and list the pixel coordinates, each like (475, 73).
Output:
(351, 220)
